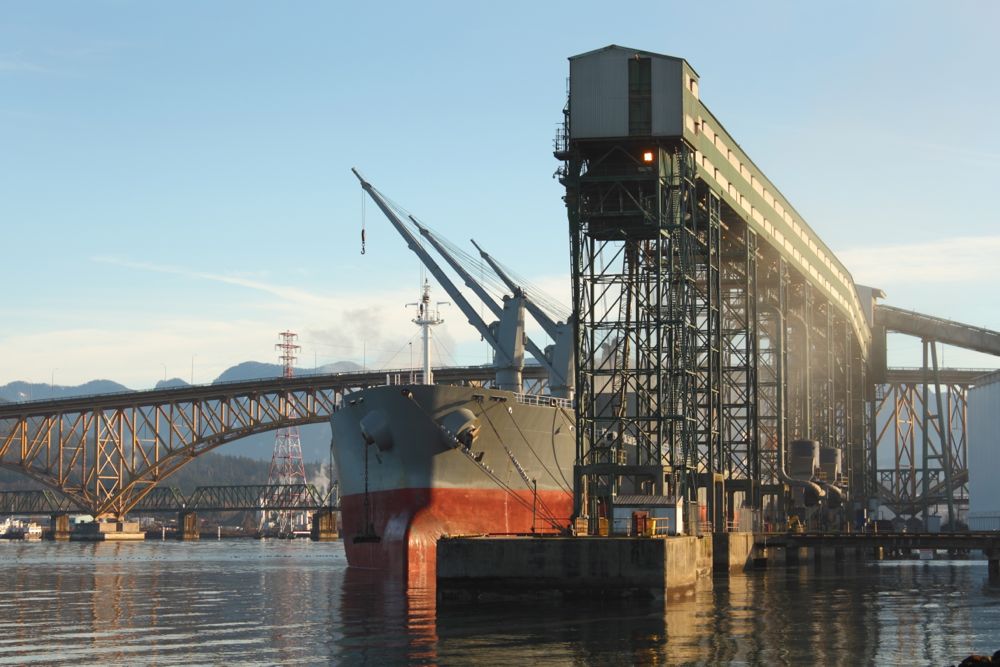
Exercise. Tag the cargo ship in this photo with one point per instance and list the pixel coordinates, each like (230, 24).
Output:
(419, 462)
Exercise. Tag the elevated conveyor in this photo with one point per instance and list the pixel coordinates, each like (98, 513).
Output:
(927, 327)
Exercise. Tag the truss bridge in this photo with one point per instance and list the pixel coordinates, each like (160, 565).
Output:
(164, 499)
(105, 454)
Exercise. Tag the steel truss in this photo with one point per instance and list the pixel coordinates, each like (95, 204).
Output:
(25, 503)
(635, 244)
(740, 428)
(249, 497)
(770, 361)
(665, 281)
(700, 353)
(926, 473)
(106, 453)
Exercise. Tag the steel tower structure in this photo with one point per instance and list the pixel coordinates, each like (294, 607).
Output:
(645, 245)
(713, 326)
(287, 466)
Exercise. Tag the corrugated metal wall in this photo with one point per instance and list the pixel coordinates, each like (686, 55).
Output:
(668, 98)
(984, 449)
(598, 92)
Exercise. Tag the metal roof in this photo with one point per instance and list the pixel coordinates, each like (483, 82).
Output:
(617, 47)
(645, 501)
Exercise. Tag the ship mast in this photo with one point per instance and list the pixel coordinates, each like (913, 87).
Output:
(426, 318)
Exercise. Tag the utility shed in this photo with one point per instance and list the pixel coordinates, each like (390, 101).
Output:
(984, 453)
(622, 92)
(668, 508)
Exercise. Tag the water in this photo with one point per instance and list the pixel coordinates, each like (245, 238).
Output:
(269, 602)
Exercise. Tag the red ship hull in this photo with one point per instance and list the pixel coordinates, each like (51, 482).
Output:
(409, 522)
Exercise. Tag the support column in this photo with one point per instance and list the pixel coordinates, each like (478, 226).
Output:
(324, 526)
(59, 527)
(187, 526)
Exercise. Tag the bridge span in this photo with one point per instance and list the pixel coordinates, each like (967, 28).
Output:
(167, 499)
(105, 453)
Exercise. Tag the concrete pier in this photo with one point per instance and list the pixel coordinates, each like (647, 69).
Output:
(187, 526)
(59, 528)
(613, 566)
(797, 555)
(107, 531)
(826, 555)
(324, 526)
(732, 552)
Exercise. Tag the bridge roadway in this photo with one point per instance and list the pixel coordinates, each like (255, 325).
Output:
(106, 452)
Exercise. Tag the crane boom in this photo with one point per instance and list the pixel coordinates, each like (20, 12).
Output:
(483, 295)
(432, 266)
(560, 355)
(506, 361)
(540, 315)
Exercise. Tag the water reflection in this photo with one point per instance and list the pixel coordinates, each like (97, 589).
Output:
(278, 602)
(382, 622)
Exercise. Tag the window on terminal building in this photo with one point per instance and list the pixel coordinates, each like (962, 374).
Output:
(640, 96)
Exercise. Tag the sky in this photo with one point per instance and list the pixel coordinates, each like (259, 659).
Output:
(175, 184)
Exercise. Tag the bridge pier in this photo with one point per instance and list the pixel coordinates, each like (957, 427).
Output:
(187, 526)
(760, 556)
(324, 526)
(993, 559)
(59, 528)
(796, 555)
(115, 530)
(825, 555)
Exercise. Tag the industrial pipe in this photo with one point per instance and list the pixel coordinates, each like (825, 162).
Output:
(780, 377)
(835, 491)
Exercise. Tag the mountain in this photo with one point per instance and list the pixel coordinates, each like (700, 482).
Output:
(172, 383)
(255, 370)
(37, 391)
(315, 438)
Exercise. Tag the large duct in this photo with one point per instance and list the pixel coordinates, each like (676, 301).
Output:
(783, 476)
(830, 467)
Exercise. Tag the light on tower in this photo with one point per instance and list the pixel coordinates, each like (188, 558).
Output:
(647, 156)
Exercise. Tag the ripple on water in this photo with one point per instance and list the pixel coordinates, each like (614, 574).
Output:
(251, 602)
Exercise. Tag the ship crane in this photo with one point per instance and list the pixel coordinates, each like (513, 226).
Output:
(505, 337)
(560, 378)
(559, 356)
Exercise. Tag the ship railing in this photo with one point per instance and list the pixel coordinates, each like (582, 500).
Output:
(541, 399)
